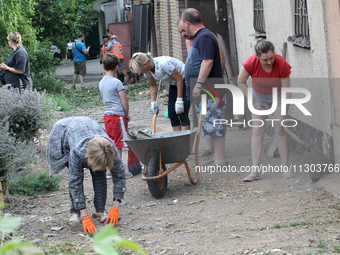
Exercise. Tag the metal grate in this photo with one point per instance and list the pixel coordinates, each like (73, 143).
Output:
(301, 19)
(259, 24)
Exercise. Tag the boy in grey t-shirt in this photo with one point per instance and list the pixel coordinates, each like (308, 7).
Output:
(116, 114)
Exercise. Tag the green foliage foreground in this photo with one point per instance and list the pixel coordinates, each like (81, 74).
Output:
(106, 240)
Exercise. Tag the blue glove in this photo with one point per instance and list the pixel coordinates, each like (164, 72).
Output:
(154, 107)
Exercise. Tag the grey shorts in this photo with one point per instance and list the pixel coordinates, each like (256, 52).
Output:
(79, 68)
(267, 99)
(121, 64)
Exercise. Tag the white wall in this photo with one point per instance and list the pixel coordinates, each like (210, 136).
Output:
(310, 64)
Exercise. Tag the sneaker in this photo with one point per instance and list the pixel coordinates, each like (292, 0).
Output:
(128, 175)
(108, 175)
(102, 216)
(74, 219)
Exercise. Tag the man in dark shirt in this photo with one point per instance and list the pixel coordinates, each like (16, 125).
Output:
(204, 62)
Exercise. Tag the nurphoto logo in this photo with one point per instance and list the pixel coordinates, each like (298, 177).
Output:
(238, 104)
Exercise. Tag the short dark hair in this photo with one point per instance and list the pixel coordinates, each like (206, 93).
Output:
(192, 16)
(110, 61)
(80, 35)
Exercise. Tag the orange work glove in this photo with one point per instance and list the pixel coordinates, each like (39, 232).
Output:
(113, 216)
(88, 225)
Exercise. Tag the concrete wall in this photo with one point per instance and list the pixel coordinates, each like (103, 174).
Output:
(310, 67)
(333, 28)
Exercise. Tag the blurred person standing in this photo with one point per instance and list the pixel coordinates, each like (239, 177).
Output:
(79, 60)
(69, 54)
(17, 66)
(117, 49)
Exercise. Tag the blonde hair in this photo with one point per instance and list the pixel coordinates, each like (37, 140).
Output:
(99, 154)
(138, 60)
(15, 37)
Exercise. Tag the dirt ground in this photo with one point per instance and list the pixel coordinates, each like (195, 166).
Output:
(219, 215)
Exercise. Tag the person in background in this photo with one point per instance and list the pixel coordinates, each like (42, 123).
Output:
(117, 49)
(78, 143)
(106, 47)
(116, 114)
(17, 66)
(171, 72)
(79, 61)
(69, 54)
(268, 70)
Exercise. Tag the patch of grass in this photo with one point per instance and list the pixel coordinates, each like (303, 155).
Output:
(336, 249)
(322, 245)
(305, 223)
(61, 102)
(263, 228)
(294, 224)
(80, 98)
(239, 213)
(29, 183)
(278, 226)
(138, 91)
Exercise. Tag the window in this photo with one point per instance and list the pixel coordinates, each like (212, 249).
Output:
(301, 33)
(259, 24)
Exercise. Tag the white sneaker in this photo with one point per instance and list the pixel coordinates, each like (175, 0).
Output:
(102, 216)
(74, 219)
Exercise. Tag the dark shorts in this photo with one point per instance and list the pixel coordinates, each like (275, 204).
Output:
(114, 129)
(121, 64)
(79, 68)
(178, 119)
(209, 130)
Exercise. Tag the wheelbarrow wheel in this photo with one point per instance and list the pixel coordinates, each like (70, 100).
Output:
(158, 188)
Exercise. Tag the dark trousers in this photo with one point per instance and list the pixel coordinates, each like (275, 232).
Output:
(100, 191)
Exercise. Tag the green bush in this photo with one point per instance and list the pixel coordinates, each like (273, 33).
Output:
(14, 154)
(50, 83)
(25, 112)
(29, 183)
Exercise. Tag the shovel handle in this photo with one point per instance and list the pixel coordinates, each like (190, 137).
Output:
(296, 138)
(153, 127)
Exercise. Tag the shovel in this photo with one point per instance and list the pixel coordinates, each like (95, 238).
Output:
(311, 158)
(153, 127)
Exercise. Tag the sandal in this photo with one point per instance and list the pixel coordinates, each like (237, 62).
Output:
(209, 162)
(288, 175)
(251, 178)
(206, 153)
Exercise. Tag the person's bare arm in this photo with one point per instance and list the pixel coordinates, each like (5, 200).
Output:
(10, 69)
(153, 89)
(125, 103)
(188, 44)
(242, 81)
(86, 51)
(178, 77)
(206, 66)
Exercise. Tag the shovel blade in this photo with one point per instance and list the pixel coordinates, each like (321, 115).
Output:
(313, 159)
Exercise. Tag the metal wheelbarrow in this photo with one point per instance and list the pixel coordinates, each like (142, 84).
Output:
(157, 150)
